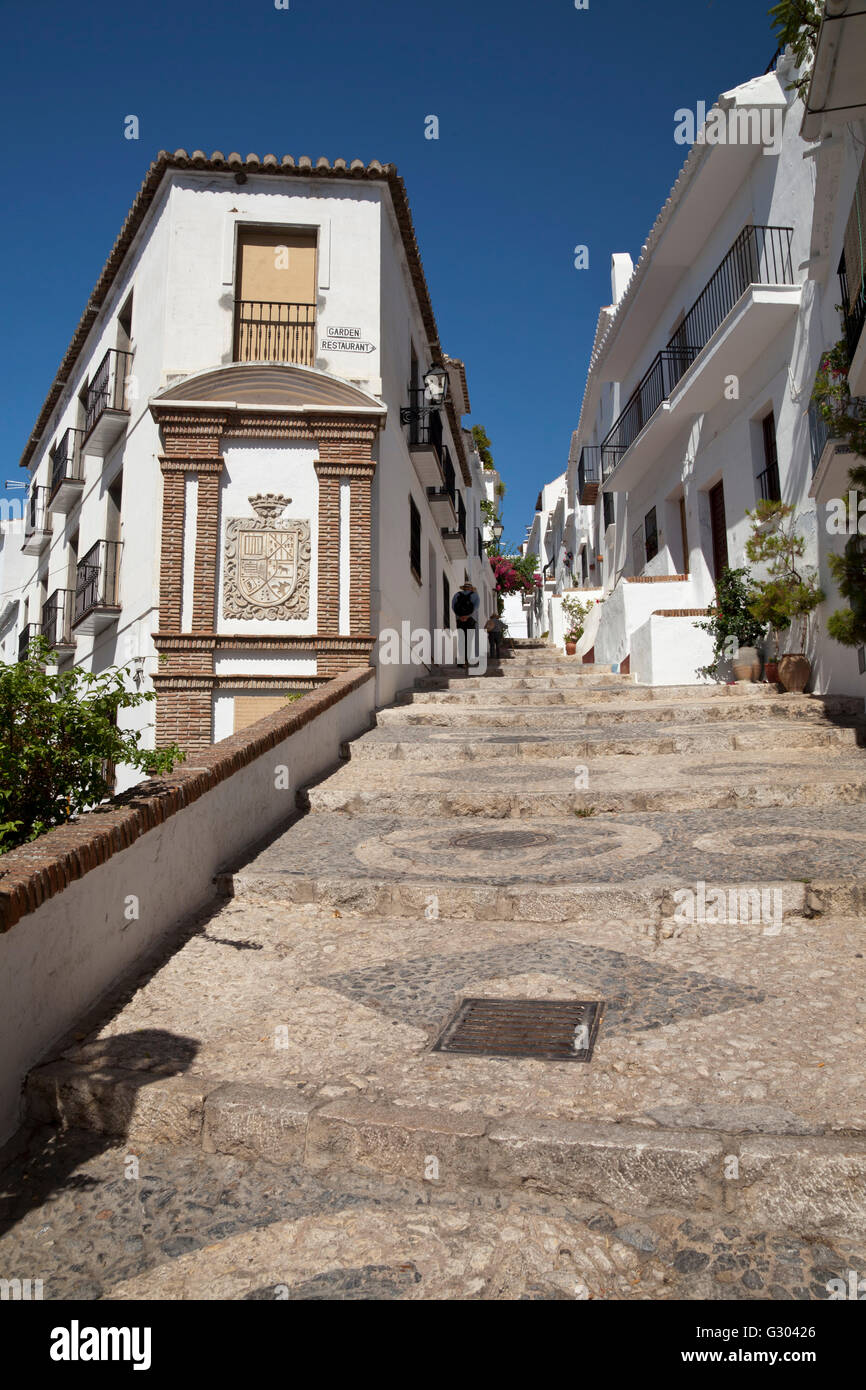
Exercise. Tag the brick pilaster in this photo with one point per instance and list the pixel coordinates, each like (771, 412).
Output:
(171, 553)
(328, 604)
(206, 551)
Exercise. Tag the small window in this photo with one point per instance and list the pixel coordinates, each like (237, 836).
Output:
(768, 479)
(651, 534)
(608, 509)
(414, 540)
(446, 602)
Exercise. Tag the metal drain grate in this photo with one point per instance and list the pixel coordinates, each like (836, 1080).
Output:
(553, 1030)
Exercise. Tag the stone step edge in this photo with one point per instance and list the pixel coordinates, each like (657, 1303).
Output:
(526, 805)
(814, 1182)
(648, 903)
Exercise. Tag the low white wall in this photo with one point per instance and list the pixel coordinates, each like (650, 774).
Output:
(58, 961)
(629, 606)
(668, 651)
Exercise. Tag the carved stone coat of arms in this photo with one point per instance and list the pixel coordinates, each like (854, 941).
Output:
(267, 563)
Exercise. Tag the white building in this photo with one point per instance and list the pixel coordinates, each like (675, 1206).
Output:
(697, 401)
(238, 477)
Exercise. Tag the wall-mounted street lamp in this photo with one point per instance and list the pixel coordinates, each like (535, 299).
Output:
(436, 381)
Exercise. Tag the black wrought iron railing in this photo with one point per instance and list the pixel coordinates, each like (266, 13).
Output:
(588, 468)
(58, 612)
(67, 461)
(25, 637)
(108, 389)
(424, 421)
(768, 484)
(37, 517)
(448, 472)
(270, 331)
(97, 579)
(759, 256)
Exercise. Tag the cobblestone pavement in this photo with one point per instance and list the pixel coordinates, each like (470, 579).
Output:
(200, 1226)
(272, 1069)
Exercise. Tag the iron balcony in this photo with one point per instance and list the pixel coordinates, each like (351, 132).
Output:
(37, 522)
(67, 472)
(588, 474)
(273, 331)
(107, 406)
(760, 256)
(97, 588)
(57, 616)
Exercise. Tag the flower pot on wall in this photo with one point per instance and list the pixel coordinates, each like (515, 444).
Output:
(570, 648)
(771, 672)
(747, 664)
(794, 671)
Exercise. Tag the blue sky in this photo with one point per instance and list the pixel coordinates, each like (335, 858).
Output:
(555, 130)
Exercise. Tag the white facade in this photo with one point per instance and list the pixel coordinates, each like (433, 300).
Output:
(170, 303)
(720, 326)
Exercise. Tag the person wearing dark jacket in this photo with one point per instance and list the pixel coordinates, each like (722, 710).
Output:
(465, 605)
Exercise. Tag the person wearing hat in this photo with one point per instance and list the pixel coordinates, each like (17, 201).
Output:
(465, 604)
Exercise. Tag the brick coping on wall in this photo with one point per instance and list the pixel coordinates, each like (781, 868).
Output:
(655, 578)
(34, 872)
(680, 612)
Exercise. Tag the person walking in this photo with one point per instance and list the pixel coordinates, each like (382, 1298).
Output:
(465, 605)
(495, 629)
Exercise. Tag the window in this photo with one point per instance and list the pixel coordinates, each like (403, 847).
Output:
(768, 479)
(607, 505)
(651, 535)
(414, 540)
(275, 296)
(446, 602)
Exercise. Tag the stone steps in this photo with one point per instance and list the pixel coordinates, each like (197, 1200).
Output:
(491, 697)
(598, 681)
(799, 1181)
(588, 715)
(410, 745)
(546, 787)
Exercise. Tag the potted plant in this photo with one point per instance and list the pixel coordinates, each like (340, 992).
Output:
(790, 593)
(574, 613)
(733, 627)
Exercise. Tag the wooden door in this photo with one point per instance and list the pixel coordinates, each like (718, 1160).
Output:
(719, 530)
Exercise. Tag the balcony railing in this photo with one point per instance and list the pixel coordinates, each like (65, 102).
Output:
(768, 484)
(37, 518)
(57, 616)
(97, 579)
(108, 389)
(424, 422)
(67, 465)
(25, 637)
(271, 331)
(588, 472)
(759, 256)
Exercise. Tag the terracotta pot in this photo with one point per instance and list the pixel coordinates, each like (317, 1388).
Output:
(570, 648)
(771, 671)
(794, 671)
(747, 664)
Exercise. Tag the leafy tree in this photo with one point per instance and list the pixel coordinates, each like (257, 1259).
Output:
(846, 419)
(59, 739)
(482, 444)
(790, 591)
(730, 623)
(796, 24)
